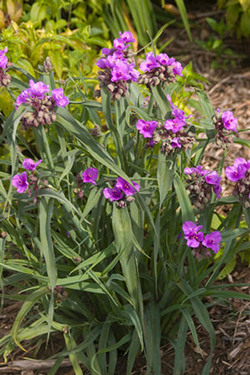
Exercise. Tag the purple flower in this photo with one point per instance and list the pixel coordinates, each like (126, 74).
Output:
(107, 51)
(90, 175)
(119, 44)
(229, 122)
(146, 128)
(102, 63)
(174, 125)
(177, 68)
(120, 72)
(114, 194)
(127, 37)
(150, 63)
(235, 173)
(192, 170)
(192, 234)
(212, 241)
(59, 98)
(242, 162)
(25, 94)
(175, 142)
(30, 165)
(126, 187)
(162, 58)
(38, 89)
(217, 190)
(3, 59)
(20, 182)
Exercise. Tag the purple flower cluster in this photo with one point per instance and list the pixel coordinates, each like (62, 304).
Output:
(159, 69)
(122, 192)
(20, 181)
(171, 134)
(240, 173)
(201, 182)
(5, 78)
(200, 243)
(117, 66)
(224, 123)
(42, 104)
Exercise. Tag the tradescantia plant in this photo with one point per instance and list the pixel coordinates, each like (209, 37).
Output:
(109, 222)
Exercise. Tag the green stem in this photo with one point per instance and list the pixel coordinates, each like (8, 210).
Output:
(45, 150)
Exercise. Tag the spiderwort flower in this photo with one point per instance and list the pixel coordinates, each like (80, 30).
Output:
(175, 125)
(90, 175)
(212, 241)
(22, 98)
(119, 44)
(114, 194)
(3, 59)
(38, 89)
(175, 142)
(59, 98)
(5, 78)
(224, 124)
(229, 122)
(150, 63)
(30, 165)
(192, 234)
(237, 171)
(126, 187)
(127, 37)
(146, 128)
(20, 182)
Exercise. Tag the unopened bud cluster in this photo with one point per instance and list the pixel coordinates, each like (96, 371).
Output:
(5, 78)
(42, 105)
(160, 69)
(174, 135)
(47, 66)
(163, 74)
(201, 183)
(173, 141)
(42, 113)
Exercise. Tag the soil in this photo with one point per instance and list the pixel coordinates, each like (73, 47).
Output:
(228, 89)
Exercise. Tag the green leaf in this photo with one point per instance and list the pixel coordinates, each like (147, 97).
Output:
(123, 233)
(185, 204)
(67, 121)
(152, 337)
(71, 345)
(26, 306)
(227, 269)
(162, 101)
(38, 12)
(245, 25)
(184, 16)
(206, 104)
(179, 360)
(56, 58)
(165, 176)
(45, 215)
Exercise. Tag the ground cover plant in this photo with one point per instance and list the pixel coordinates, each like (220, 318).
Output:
(111, 231)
